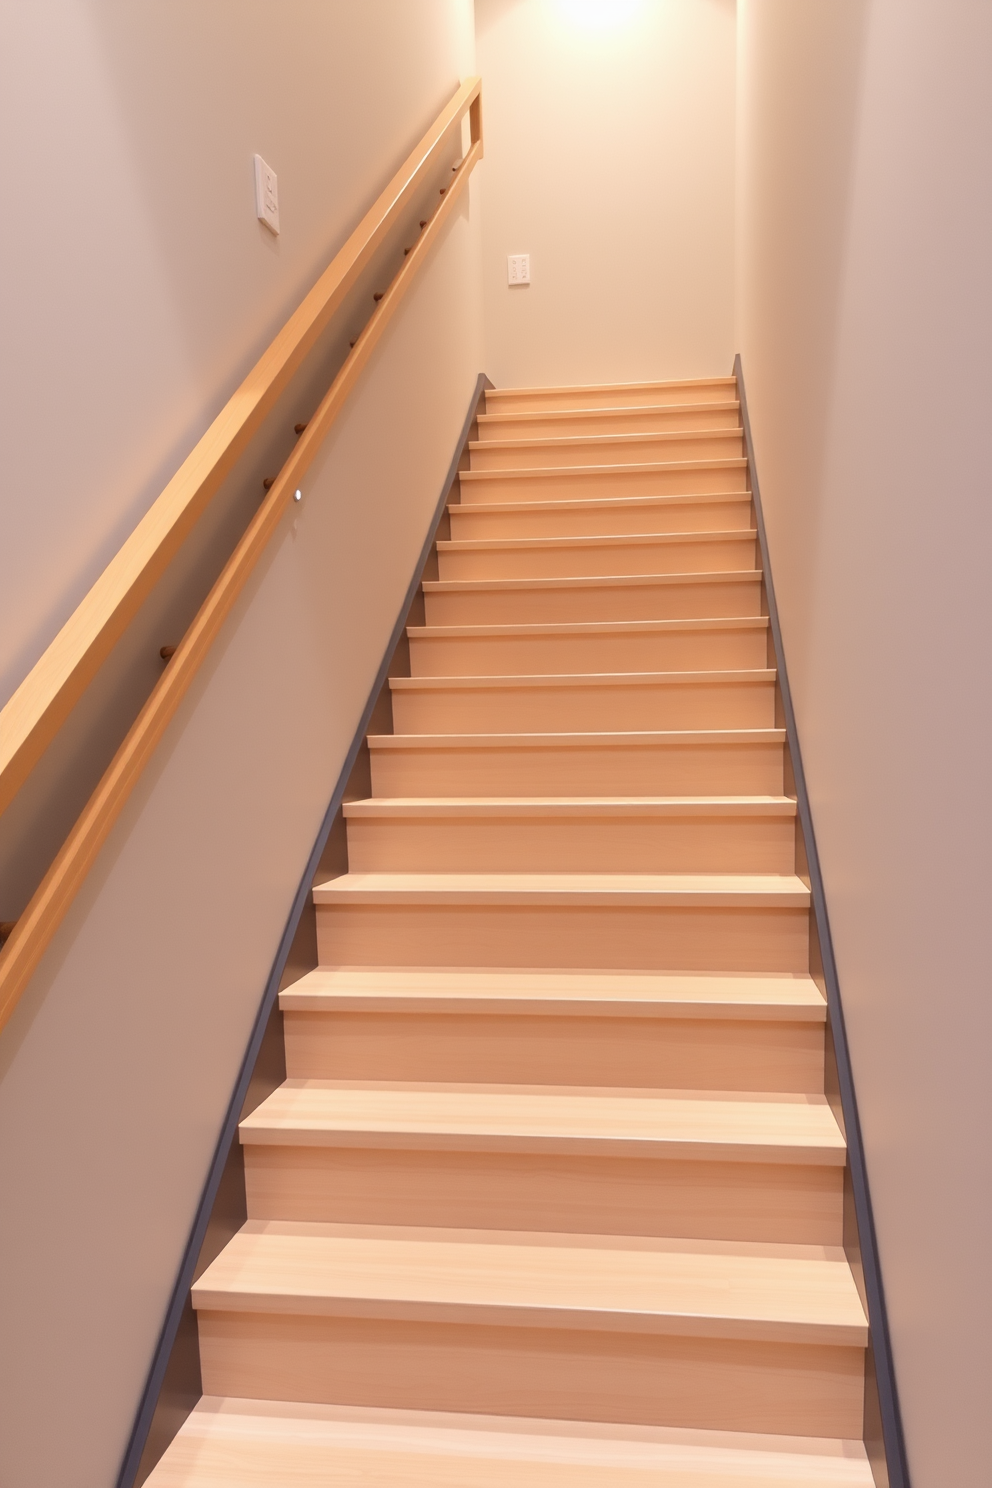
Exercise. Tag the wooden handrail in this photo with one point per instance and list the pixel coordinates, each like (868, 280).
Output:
(39, 707)
(36, 926)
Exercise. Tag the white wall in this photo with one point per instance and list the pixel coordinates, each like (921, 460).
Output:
(865, 323)
(117, 1066)
(610, 159)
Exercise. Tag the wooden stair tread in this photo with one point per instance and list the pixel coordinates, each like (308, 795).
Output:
(631, 739)
(498, 395)
(726, 1290)
(602, 503)
(584, 543)
(645, 409)
(598, 581)
(424, 807)
(646, 467)
(590, 627)
(713, 1126)
(759, 675)
(229, 1443)
(780, 996)
(685, 889)
(608, 441)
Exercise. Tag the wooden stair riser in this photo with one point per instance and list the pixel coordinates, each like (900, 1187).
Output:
(589, 558)
(611, 449)
(572, 844)
(770, 1203)
(629, 938)
(723, 1054)
(724, 648)
(600, 518)
(532, 708)
(601, 482)
(691, 598)
(564, 425)
(607, 768)
(680, 392)
(561, 1374)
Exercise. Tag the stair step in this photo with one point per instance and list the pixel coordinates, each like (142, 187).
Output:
(606, 395)
(635, 922)
(533, 1281)
(595, 646)
(610, 517)
(697, 1033)
(572, 834)
(631, 700)
(589, 557)
(610, 807)
(695, 890)
(500, 1156)
(229, 1443)
(713, 1333)
(685, 596)
(592, 994)
(572, 482)
(606, 449)
(746, 761)
(650, 419)
(328, 1113)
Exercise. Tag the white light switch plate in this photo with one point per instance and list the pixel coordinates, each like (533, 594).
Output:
(266, 195)
(518, 268)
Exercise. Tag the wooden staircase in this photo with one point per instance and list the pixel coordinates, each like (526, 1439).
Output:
(552, 1195)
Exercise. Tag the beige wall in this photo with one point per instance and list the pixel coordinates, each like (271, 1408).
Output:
(610, 159)
(134, 301)
(117, 1066)
(865, 323)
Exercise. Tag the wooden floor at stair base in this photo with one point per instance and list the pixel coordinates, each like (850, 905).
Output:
(747, 761)
(230, 1443)
(795, 1389)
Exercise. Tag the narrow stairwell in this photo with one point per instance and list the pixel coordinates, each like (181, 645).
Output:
(553, 1194)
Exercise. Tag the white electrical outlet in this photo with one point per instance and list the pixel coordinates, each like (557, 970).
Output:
(266, 195)
(518, 268)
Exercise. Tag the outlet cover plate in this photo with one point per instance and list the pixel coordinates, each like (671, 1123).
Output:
(266, 195)
(518, 268)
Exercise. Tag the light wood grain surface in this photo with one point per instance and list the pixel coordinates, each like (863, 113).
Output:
(706, 1290)
(742, 996)
(228, 1443)
(328, 1113)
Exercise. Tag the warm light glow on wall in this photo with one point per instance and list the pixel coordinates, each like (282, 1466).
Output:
(599, 15)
